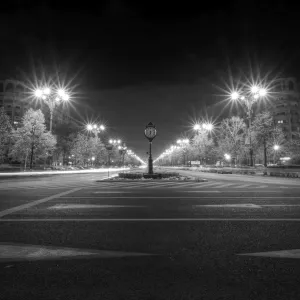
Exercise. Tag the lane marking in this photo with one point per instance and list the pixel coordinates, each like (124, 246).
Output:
(158, 220)
(262, 186)
(202, 191)
(293, 253)
(206, 185)
(21, 252)
(185, 185)
(246, 205)
(233, 191)
(182, 197)
(223, 185)
(85, 206)
(110, 192)
(34, 203)
(243, 186)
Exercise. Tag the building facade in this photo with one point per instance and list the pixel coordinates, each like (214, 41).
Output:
(13, 99)
(285, 106)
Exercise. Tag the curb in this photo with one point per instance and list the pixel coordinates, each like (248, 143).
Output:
(154, 180)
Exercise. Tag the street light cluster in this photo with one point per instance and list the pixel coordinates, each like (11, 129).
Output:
(95, 127)
(206, 126)
(51, 98)
(46, 92)
(114, 142)
(255, 92)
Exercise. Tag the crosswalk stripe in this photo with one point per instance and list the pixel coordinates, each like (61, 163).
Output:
(206, 185)
(242, 186)
(223, 185)
(186, 185)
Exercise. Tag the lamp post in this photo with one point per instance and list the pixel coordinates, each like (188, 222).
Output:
(206, 127)
(122, 151)
(51, 98)
(183, 143)
(276, 148)
(150, 134)
(95, 129)
(248, 98)
(109, 147)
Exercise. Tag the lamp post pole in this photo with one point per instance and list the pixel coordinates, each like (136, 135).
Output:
(150, 134)
(249, 98)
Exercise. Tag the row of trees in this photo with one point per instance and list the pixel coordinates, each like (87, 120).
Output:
(232, 137)
(31, 143)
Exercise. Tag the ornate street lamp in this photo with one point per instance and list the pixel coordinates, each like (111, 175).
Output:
(248, 98)
(150, 134)
(52, 98)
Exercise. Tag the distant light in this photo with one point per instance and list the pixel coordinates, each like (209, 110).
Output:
(38, 93)
(179, 141)
(119, 141)
(57, 99)
(254, 89)
(119, 147)
(95, 126)
(110, 141)
(242, 97)
(44, 97)
(262, 92)
(102, 127)
(256, 96)
(209, 126)
(89, 127)
(65, 97)
(235, 95)
(93, 158)
(276, 147)
(61, 92)
(197, 126)
(227, 156)
(47, 91)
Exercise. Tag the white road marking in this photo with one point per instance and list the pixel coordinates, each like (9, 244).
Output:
(243, 186)
(201, 191)
(223, 185)
(246, 205)
(293, 253)
(206, 185)
(86, 206)
(19, 252)
(182, 197)
(157, 220)
(34, 203)
(262, 186)
(110, 192)
(232, 191)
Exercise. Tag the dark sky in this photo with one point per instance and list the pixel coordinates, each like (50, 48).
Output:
(153, 61)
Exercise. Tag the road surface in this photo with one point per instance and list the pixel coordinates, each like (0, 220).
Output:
(77, 237)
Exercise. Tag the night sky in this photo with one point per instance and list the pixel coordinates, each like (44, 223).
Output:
(134, 63)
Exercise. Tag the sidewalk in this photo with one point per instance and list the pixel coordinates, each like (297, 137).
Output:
(243, 178)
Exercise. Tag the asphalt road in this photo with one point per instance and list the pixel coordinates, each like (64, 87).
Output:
(71, 237)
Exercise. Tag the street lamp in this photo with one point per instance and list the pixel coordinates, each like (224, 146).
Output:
(183, 143)
(51, 98)
(276, 148)
(227, 156)
(122, 151)
(248, 98)
(95, 128)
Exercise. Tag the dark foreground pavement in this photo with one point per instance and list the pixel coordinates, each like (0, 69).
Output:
(165, 240)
